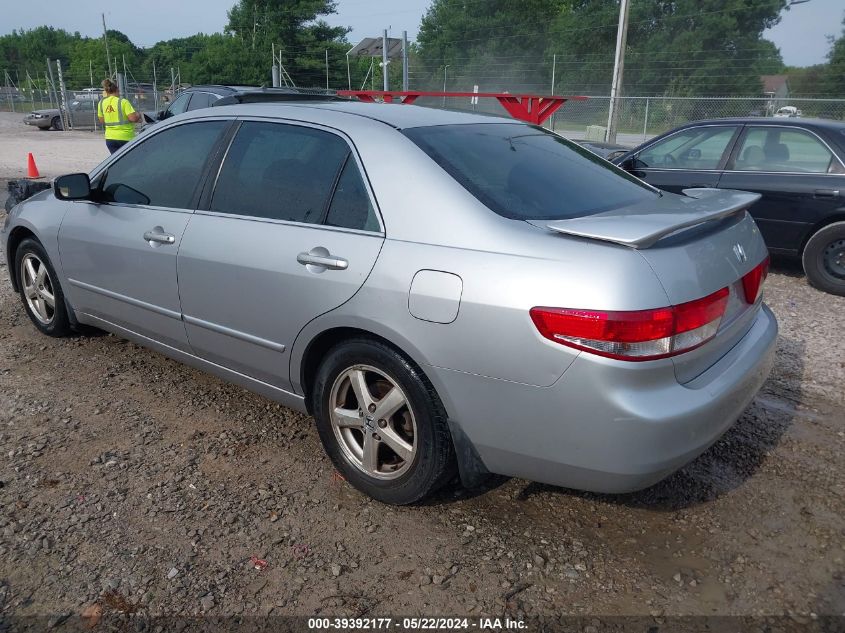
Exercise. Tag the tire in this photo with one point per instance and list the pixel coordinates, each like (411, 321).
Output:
(360, 439)
(824, 259)
(32, 263)
(56, 123)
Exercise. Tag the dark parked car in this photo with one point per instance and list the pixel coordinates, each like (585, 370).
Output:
(607, 151)
(797, 165)
(196, 97)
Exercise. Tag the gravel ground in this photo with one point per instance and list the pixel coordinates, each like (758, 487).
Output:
(55, 153)
(131, 483)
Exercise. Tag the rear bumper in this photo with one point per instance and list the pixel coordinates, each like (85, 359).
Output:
(605, 425)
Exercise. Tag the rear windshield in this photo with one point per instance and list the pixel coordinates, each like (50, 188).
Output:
(527, 173)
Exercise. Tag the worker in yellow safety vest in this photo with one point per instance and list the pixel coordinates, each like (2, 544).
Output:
(117, 116)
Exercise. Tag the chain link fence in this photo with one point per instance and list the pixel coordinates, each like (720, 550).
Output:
(640, 118)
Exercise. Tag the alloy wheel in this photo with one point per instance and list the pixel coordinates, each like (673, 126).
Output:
(38, 288)
(373, 422)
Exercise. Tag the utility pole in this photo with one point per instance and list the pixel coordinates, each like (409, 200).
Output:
(618, 67)
(444, 83)
(405, 82)
(155, 87)
(348, 73)
(53, 86)
(9, 90)
(93, 102)
(106, 40)
(384, 59)
(64, 111)
(327, 69)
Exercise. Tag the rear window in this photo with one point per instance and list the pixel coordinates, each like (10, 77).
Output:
(527, 173)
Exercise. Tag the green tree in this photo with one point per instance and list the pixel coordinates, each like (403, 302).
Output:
(675, 47)
(497, 44)
(833, 79)
(294, 27)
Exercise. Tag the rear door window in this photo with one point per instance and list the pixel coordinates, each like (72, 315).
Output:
(280, 172)
(778, 149)
(202, 100)
(692, 148)
(351, 206)
(180, 105)
(165, 169)
(527, 173)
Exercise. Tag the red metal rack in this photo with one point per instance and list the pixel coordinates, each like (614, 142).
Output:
(525, 107)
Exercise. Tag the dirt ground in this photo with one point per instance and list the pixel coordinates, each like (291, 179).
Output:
(131, 483)
(55, 153)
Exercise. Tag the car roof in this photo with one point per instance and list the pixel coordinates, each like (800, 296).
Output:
(755, 120)
(396, 115)
(219, 89)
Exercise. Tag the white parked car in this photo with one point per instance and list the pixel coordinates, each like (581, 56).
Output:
(788, 111)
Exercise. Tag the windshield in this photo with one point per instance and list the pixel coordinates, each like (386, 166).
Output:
(527, 173)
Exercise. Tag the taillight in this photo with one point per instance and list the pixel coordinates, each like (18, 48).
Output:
(635, 335)
(752, 282)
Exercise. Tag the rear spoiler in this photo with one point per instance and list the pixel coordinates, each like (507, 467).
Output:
(643, 224)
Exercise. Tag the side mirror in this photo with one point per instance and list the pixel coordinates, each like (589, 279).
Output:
(612, 156)
(72, 187)
(161, 115)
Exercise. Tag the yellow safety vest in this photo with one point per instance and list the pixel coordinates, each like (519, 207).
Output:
(114, 112)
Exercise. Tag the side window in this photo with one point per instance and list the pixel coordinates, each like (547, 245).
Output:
(280, 172)
(164, 170)
(180, 105)
(351, 207)
(693, 148)
(202, 100)
(780, 149)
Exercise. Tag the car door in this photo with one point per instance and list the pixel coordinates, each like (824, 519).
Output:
(119, 252)
(800, 179)
(289, 233)
(692, 157)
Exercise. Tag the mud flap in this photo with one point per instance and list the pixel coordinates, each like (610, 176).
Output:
(472, 470)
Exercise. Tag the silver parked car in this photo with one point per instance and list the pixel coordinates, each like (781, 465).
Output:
(444, 292)
(82, 114)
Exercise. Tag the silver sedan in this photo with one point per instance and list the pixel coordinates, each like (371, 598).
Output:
(446, 293)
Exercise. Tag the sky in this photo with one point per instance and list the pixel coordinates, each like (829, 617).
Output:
(800, 34)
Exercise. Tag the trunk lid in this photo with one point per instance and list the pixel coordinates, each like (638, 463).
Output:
(644, 224)
(696, 244)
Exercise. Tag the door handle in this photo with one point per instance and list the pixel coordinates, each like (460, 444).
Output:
(161, 238)
(826, 193)
(328, 260)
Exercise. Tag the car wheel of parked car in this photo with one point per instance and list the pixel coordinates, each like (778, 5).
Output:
(56, 123)
(41, 293)
(824, 259)
(382, 423)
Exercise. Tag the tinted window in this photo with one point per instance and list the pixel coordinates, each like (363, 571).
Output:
(694, 148)
(282, 172)
(525, 172)
(180, 105)
(779, 149)
(202, 100)
(350, 206)
(165, 169)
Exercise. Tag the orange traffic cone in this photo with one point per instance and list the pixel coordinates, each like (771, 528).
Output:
(31, 169)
